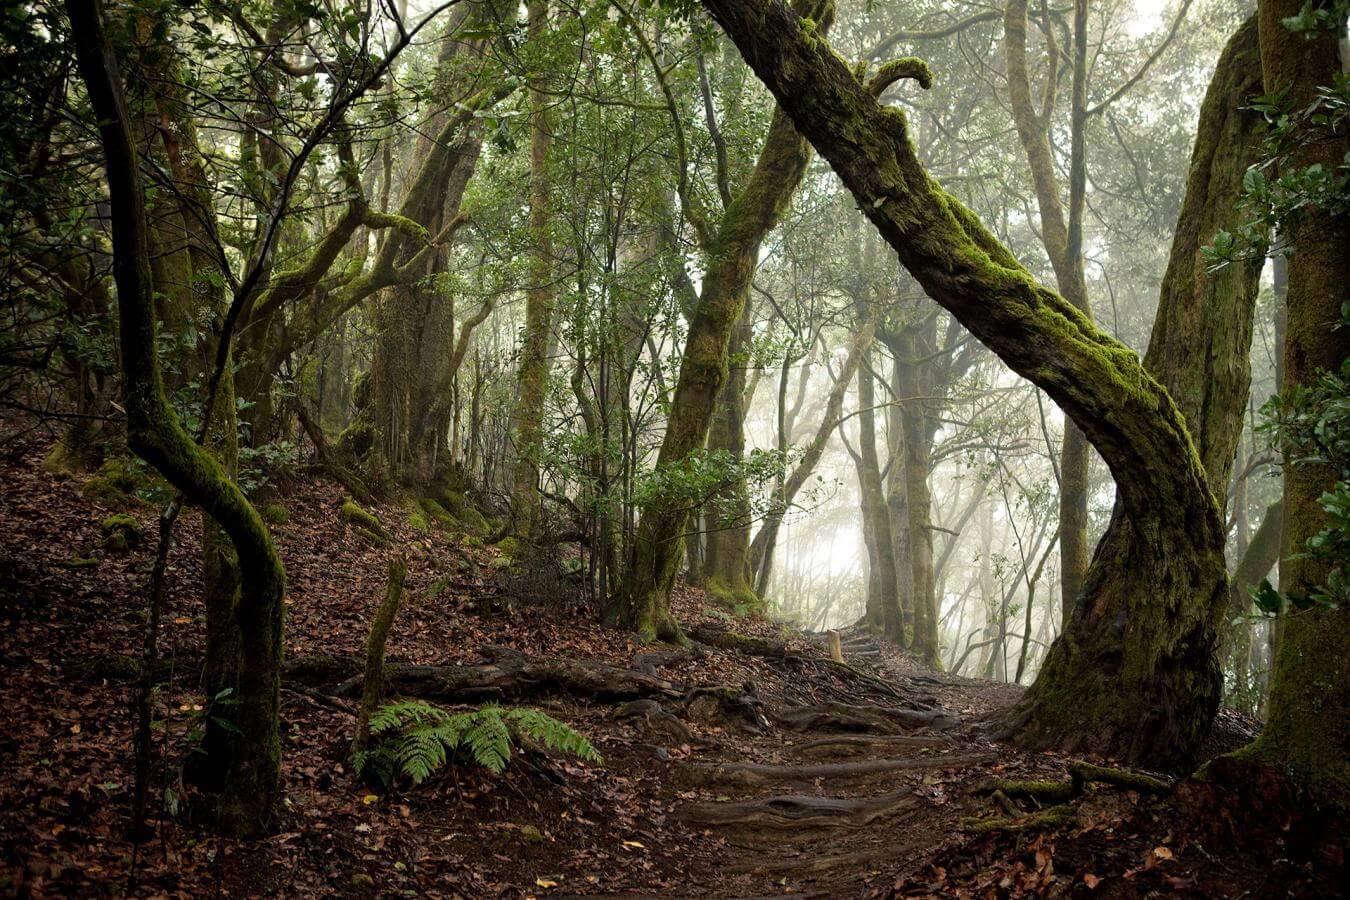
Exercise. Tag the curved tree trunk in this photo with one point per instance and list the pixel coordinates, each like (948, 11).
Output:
(1199, 350)
(251, 782)
(1151, 696)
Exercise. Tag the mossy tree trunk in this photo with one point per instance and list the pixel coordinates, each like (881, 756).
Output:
(732, 252)
(1148, 690)
(533, 375)
(1307, 731)
(726, 568)
(1199, 350)
(251, 782)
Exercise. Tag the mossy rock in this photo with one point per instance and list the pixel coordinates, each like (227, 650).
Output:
(474, 521)
(438, 514)
(115, 485)
(354, 515)
(417, 517)
(79, 562)
(274, 514)
(357, 440)
(510, 547)
(120, 533)
(454, 501)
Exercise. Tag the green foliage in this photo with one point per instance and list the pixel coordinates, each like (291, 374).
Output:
(1313, 422)
(1276, 192)
(275, 514)
(417, 739)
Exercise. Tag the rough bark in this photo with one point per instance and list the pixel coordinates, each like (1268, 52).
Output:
(1151, 698)
(250, 784)
(372, 682)
(1156, 680)
(887, 607)
(1307, 731)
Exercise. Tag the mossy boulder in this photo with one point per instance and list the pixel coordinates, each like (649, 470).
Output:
(116, 485)
(120, 533)
(417, 517)
(357, 440)
(275, 514)
(510, 547)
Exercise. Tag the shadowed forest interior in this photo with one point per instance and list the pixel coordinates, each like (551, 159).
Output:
(675, 448)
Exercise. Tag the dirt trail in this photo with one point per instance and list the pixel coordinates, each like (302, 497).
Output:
(749, 766)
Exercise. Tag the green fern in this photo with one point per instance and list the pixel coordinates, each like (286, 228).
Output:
(418, 738)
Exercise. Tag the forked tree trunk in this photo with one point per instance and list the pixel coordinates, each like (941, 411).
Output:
(642, 602)
(1148, 690)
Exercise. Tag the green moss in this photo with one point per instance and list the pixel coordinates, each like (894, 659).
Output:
(474, 522)
(357, 439)
(275, 514)
(416, 517)
(120, 533)
(115, 485)
(510, 547)
(359, 518)
(454, 501)
(79, 562)
(740, 600)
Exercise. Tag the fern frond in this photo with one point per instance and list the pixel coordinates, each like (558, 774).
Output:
(551, 733)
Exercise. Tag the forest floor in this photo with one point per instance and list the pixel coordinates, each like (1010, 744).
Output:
(858, 781)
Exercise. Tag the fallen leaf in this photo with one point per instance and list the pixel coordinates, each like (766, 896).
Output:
(1091, 880)
(544, 883)
(1162, 853)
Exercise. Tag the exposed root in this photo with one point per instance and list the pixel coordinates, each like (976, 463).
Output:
(657, 719)
(858, 744)
(799, 813)
(506, 673)
(1051, 817)
(747, 774)
(727, 704)
(863, 718)
(1085, 771)
(1049, 791)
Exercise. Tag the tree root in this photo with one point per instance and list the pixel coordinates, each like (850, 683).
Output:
(863, 718)
(1051, 817)
(656, 718)
(737, 706)
(748, 774)
(799, 813)
(506, 673)
(855, 744)
(1062, 793)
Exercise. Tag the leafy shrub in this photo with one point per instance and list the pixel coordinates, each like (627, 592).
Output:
(416, 739)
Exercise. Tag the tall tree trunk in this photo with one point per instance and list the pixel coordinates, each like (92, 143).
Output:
(1063, 244)
(726, 571)
(533, 375)
(642, 603)
(888, 613)
(1170, 586)
(251, 782)
(1307, 732)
